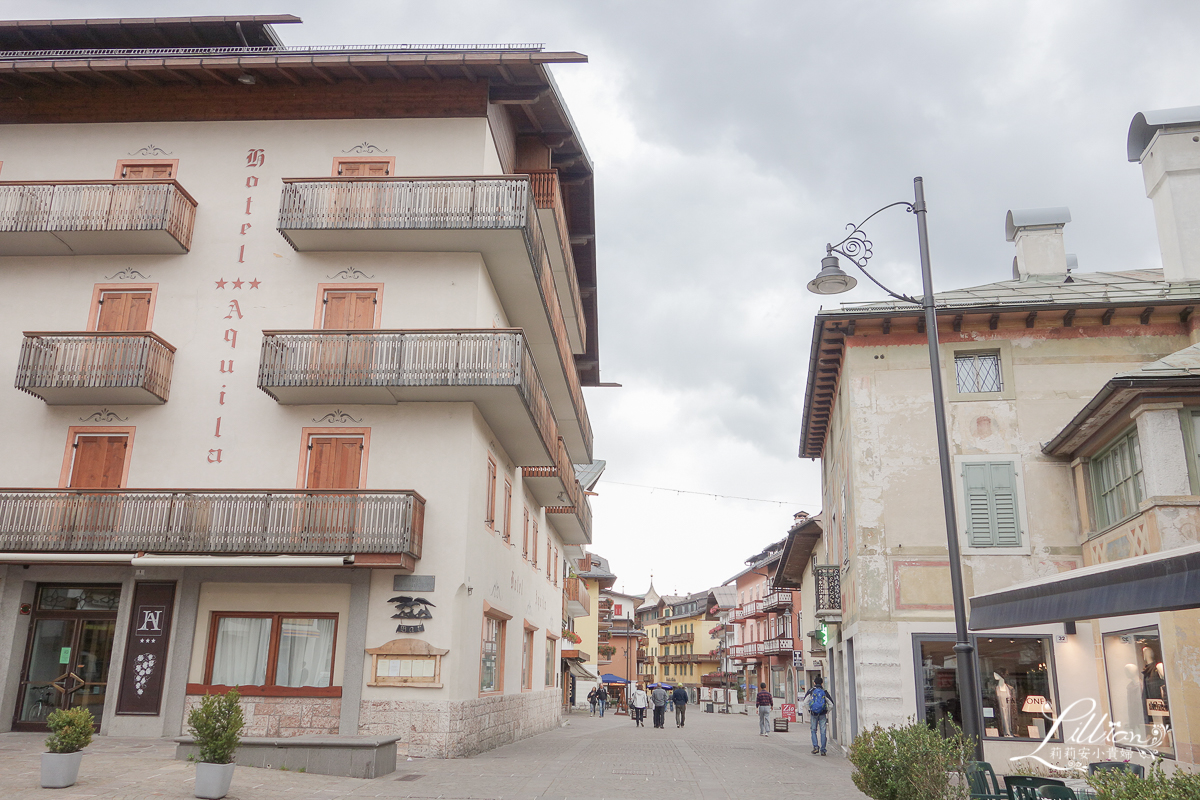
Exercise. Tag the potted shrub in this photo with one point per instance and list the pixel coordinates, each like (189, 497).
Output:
(910, 762)
(70, 731)
(216, 724)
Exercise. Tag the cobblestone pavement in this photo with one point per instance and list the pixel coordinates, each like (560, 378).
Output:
(714, 756)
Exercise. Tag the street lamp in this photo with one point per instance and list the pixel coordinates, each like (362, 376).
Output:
(832, 280)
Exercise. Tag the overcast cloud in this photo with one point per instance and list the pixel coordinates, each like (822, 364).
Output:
(731, 141)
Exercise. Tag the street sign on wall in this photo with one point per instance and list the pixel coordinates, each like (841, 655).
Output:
(797, 659)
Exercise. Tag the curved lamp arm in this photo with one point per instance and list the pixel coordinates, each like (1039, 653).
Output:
(856, 247)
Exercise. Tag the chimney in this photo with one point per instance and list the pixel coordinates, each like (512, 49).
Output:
(1037, 233)
(1167, 144)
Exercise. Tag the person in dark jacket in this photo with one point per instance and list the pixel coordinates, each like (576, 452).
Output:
(680, 698)
(817, 702)
(764, 703)
(659, 699)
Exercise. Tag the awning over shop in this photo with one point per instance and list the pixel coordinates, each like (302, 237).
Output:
(581, 672)
(608, 677)
(1166, 581)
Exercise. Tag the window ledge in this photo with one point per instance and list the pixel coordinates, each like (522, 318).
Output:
(266, 691)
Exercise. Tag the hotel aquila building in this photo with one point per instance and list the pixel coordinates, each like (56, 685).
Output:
(297, 338)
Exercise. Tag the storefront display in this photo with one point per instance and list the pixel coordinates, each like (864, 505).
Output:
(1137, 690)
(1014, 680)
(936, 684)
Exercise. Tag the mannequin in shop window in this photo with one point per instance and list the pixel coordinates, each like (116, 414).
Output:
(1154, 685)
(1006, 704)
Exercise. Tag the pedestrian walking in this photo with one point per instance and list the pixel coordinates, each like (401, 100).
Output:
(659, 698)
(764, 703)
(601, 698)
(680, 698)
(817, 703)
(592, 701)
(637, 703)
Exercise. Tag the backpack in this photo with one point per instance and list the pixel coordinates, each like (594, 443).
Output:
(816, 701)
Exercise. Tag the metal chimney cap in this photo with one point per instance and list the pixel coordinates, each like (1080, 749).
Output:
(1030, 217)
(1147, 123)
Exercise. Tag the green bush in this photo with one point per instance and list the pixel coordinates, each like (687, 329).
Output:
(217, 726)
(71, 730)
(1119, 785)
(910, 762)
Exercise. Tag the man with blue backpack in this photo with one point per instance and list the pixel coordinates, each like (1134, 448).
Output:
(817, 701)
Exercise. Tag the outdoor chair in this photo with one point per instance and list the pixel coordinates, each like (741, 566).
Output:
(981, 779)
(1057, 792)
(1024, 787)
(1123, 766)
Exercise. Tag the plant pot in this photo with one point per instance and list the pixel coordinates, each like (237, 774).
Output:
(60, 770)
(212, 780)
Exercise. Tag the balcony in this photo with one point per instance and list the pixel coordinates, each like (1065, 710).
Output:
(641, 654)
(777, 601)
(547, 195)
(94, 368)
(87, 218)
(200, 521)
(829, 590)
(494, 216)
(676, 637)
(753, 610)
(578, 600)
(777, 646)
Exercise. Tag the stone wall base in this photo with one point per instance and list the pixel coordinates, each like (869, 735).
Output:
(460, 728)
(284, 716)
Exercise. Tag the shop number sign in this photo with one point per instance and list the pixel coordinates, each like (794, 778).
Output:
(789, 711)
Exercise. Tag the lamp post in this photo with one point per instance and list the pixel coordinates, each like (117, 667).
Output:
(832, 280)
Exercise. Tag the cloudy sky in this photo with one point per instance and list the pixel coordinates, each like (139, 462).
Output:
(731, 141)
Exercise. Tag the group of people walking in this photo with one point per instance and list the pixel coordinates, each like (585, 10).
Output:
(659, 698)
(816, 702)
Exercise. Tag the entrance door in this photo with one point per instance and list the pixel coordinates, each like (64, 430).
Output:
(69, 653)
(348, 360)
(334, 462)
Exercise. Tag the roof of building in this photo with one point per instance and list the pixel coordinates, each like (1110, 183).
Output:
(589, 474)
(724, 596)
(801, 542)
(769, 555)
(599, 570)
(1179, 370)
(1123, 300)
(43, 36)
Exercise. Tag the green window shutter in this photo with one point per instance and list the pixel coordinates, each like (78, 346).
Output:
(980, 522)
(1004, 504)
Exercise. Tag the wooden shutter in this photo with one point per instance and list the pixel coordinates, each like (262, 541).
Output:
(991, 501)
(334, 462)
(148, 172)
(364, 169)
(1004, 504)
(99, 461)
(347, 310)
(123, 311)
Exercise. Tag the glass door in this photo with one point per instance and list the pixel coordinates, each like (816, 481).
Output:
(69, 653)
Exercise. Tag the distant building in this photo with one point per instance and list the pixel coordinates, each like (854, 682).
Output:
(766, 622)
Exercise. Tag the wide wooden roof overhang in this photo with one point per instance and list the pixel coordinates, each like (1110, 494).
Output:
(832, 329)
(1117, 396)
(136, 32)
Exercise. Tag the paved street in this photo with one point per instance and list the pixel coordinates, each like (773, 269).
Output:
(714, 756)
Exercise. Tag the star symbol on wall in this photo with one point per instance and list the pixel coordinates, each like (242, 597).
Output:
(254, 283)
(221, 283)
(238, 283)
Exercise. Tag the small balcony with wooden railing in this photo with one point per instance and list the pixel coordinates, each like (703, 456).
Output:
(492, 368)
(777, 601)
(115, 217)
(674, 638)
(214, 522)
(96, 367)
(778, 646)
(495, 216)
(547, 195)
(578, 600)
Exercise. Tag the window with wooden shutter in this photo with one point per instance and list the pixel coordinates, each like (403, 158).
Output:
(344, 310)
(123, 311)
(990, 493)
(98, 461)
(334, 462)
(364, 167)
(143, 170)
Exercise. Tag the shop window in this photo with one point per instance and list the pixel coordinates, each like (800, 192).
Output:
(1117, 485)
(1137, 691)
(271, 650)
(990, 494)
(977, 372)
(1014, 678)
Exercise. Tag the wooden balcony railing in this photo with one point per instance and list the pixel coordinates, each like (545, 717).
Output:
(69, 367)
(97, 206)
(547, 193)
(771, 646)
(407, 358)
(575, 591)
(777, 600)
(676, 637)
(752, 609)
(829, 588)
(467, 203)
(244, 521)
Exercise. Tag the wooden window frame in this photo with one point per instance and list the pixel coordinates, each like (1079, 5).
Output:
(339, 160)
(550, 679)
(489, 508)
(549, 572)
(323, 288)
(527, 648)
(525, 536)
(533, 545)
(141, 162)
(268, 689)
(73, 432)
(556, 566)
(99, 289)
(501, 618)
(306, 435)
(1136, 480)
(506, 524)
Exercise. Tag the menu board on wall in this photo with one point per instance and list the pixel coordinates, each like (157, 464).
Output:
(146, 648)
